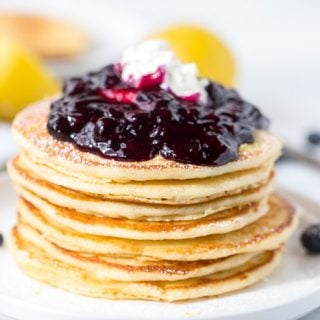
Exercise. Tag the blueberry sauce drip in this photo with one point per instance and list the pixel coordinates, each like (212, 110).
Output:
(102, 115)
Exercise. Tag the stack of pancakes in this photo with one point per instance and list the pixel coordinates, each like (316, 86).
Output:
(156, 230)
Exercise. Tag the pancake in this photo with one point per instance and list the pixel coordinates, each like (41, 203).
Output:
(133, 268)
(218, 223)
(116, 209)
(159, 229)
(31, 133)
(267, 233)
(39, 265)
(46, 37)
(164, 191)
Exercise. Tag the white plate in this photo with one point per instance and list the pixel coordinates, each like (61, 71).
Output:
(292, 291)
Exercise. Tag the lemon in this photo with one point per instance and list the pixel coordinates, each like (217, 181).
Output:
(195, 44)
(23, 78)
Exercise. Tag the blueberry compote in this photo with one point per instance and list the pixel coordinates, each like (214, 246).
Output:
(102, 115)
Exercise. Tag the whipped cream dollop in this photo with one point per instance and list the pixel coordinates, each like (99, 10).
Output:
(153, 63)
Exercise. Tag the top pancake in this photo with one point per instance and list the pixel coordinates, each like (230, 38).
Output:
(31, 134)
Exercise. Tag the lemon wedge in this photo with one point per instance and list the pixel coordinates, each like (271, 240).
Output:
(195, 44)
(23, 78)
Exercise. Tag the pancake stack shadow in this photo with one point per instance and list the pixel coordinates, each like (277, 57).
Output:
(156, 230)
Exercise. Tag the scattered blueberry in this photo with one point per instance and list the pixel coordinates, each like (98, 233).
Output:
(314, 138)
(311, 238)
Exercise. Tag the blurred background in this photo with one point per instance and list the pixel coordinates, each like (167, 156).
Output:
(269, 50)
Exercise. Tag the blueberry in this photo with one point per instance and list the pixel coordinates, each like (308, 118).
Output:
(1, 239)
(314, 138)
(311, 238)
